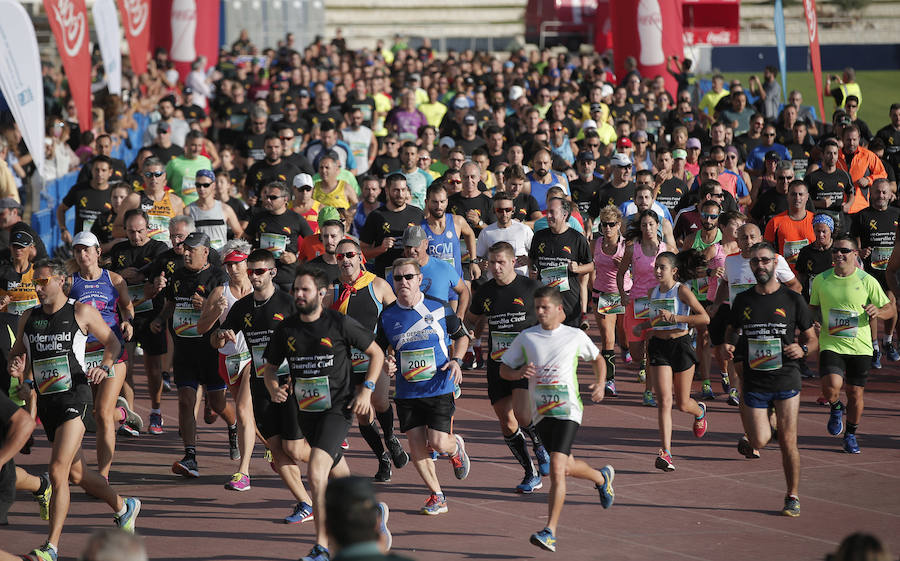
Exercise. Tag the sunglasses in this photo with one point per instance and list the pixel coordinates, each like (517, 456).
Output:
(763, 260)
(717, 195)
(769, 134)
(503, 209)
(455, 181)
(407, 277)
(274, 197)
(720, 162)
(346, 255)
(149, 174)
(43, 282)
(709, 216)
(202, 185)
(593, 145)
(258, 272)
(609, 224)
(304, 188)
(287, 138)
(841, 250)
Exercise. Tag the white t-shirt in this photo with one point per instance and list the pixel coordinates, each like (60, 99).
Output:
(359, 141)
(740, 277)
(516, 234)
(554, 389)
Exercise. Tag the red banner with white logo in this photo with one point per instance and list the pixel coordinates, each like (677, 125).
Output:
(812, 26)
(69, 22)
(649, 31)
(136, 21)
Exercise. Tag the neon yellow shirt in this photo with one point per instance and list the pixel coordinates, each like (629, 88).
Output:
(845, 324)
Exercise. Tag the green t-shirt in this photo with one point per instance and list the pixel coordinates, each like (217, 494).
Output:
(180, 173)
(845, 324)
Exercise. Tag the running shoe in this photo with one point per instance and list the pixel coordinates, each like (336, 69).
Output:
(166, 382)
(469, 362)
(156, 424)
(397, 453)
(543, 458)
(585, 325)
(460, 459)
(317, 553)
(529, 484)
(876, 359)
(125, 430)
(345, 444)
(700, 422)
(626, 356)
(209, 416)
(664, 461)
(239, 482)
(433, 455)
(791, 507)
(891, 352)
(302, 513)
(383, 514)
(649, 400)
(544, 539)
(642, 375)
(436, 504)
(607, 494)
(132, 419)
(706, 392)
(822, 400)
(234, 450)
(610, 389)
(836, 419)
(850, 445)
(43, 499)
(733, 398)
(479, 361)
(187, 467)
(726, 383)
(127, 520)
(746, 450)
(383, 475)
(43, 553)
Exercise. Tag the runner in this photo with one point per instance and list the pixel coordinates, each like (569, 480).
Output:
(361, 295)
(767, 316)
(160, 204)
(847, 300)
(16, 428)
(108, 293)
(674, 309)
(316, 343)
(791, 230)
(381, 233)
(419, 329)
(91, 200)
(547, 355)
(212, 217)
(49, 355)
(446, 233)
(439, 279)
(507, 301)
(180, 171)
(609, 249)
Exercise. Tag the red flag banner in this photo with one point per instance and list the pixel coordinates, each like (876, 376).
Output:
(812, 26)
(648, 30)
(136, 21)
(69, 22)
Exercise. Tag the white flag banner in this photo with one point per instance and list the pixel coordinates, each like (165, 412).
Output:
(20, 76)
(106, 24)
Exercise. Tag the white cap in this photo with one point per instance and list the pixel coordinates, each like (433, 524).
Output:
(589, 124)
(86, 239)
(302, 180)
(516, 92)
(447, 141)
(606, 90)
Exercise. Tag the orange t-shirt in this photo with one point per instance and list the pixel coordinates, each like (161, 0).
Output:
(789, 236)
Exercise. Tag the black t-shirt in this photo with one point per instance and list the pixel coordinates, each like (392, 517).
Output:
(236, 114)
(272, 230)
(822, 185)
(768, 204)
(262, 173)
(124, 255)
(241, 210)
(609, 195)
(333, 272)
(299, 161)
(746, 144)
(180, 290)
(384, 164)
(383, 223)
(167, 154)
(550, 255)
(481, 204)
(194, 112)
(891, 138)
(89, 203)
(773, 317)
(799, 158)
(525, 205)
(470, 145)
(258, 321)
(253, 146)
(319, 349)
(119, 171)
(812, 262)
(618, 113)
(876, 229)
(583, 193)
(509, 309)
(315, 118)
(366, 105)
(300, 126)
(670, 193)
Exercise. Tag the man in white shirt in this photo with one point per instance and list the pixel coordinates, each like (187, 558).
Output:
(505, 229)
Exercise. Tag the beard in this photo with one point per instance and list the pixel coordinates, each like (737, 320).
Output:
(308, 307)
(762, 276)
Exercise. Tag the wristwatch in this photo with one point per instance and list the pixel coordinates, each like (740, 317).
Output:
(805, 350)
(105, 368)
(369, 384)
(457, 361)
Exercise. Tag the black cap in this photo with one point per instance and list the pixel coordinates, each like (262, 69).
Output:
(585, 156)
(197, 239)
(21, 239)
(773, 155)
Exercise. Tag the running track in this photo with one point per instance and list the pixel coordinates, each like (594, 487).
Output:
(716, 506)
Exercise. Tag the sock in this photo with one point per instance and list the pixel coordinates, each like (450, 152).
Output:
(51, 546)
(875, 344)
(519, 449)
(155, 412)
(532, 434)
(851, 428)
(644, 364)
(232, 427)
(386, 420)
(190, 451)
(122, 414)
(706, 382)
(370, 434)
(888, 339)
(43, 486)
(610, 358)
(124, 509)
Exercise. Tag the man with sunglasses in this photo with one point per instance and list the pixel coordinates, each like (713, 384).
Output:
(272, 168)
(180, 172)
(389, 158)
(508, 230)
(384, 227)
(279, 231)
(761, 338)
(48, 356)
(775, 201)
(848, 302)
(754, 164)
(164, 148)
(211, 216)
(160, 204)
(791, 230)
(439, 279)
(585, 187)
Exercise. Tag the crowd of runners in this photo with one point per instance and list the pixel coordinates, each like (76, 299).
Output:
(316, 236)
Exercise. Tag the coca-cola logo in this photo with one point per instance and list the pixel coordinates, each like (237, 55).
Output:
(72, 26)
(811, 22)
(138, 12)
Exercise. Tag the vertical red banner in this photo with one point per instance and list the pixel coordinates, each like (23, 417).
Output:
(187, 29)
(136, 22)
(812, 26)
(649, 31)
(69, 22)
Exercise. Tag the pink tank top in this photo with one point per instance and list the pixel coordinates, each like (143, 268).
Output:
(642, 270)
(718, 260)
(606, 268)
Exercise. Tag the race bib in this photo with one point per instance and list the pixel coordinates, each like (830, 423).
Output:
(792, 250)
(880, 257)
(140, 303)
(359, 361)
(843, 323)
(642, 308)
(500, 341)
(700, 288)
(313, 394)
(52, 375)
(765, 354)
(735, 289)
(188, 190)
(94, 359)
(158, 227)
(237, 121)
(656, 306)
(556, 276)
(88, 224)
(273, 242)
(258, 361)
(234, 364)
(550, 400)
(185, 320)
(610, 303)
(218, 244)
(418, 365)
(18, 307)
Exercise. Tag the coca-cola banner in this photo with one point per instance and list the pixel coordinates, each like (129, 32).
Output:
(20, 77)
(649, 31)
(136, 21)
(812, 26)
(187, 29)
(106, 25)
(69, 22)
